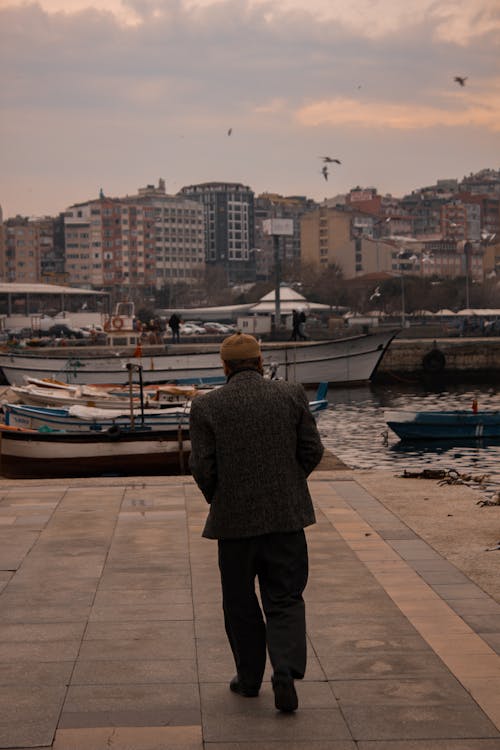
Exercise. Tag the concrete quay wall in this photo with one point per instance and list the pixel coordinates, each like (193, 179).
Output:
(453, 358)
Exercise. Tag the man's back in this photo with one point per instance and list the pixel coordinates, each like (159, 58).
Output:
(254, 443)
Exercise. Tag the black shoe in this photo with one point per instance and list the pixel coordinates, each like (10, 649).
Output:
(238, 687)
(285, 696)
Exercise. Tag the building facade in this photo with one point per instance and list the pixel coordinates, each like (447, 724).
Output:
(136, 243)
(229, 227)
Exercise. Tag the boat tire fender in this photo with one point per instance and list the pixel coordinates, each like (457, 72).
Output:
(114, 432)
(434, 361)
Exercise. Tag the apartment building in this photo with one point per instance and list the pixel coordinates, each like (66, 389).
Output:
(145, 241)
(229, 227)
(32, 250)
(345, 238)
(176, 235)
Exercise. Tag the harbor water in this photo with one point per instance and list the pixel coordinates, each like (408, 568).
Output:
(354, 429)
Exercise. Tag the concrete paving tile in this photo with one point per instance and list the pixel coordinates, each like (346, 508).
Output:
(481, 623)
(380, 665)
(13, 549)
(44, 614)
(5, 578)
(429, 626)
(414, 549)
(177, 631)
(118, 612)
(493, 640)
(67, 631)
(359, 627)
(35, 673)
(428, 744)
(486, 691)
(482, 606)
(229, 718)
(134, 671)
(39, 651)
(460, 644)
(138, 648)
(473, 665)
(286, 745)
(418, 722)
(438, 690)
(29, 714)
(7, 520)
(344, 644)
(130, 738)
(143, 580)
(459, 591)
(131, 705)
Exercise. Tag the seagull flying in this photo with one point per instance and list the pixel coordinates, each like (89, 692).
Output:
(329, 160)
(324, 172)
(460, 80)
(229, 131)
(376, 293)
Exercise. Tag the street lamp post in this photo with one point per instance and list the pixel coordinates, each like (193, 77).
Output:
(277, 279)
(277, 228)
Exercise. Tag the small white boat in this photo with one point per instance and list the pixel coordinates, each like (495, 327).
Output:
(77, 417)
(28, 454)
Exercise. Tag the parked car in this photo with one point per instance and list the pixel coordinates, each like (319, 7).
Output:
(218, 328)
(191, 329)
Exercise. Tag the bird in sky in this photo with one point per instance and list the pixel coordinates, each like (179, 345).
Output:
(324, 172)
(229, 131)
(329, 160)
(375, 294)
(460, 80)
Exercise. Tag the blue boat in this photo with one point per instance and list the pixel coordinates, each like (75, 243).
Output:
(444, 425)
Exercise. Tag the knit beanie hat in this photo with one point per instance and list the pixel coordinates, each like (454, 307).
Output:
(240, 346)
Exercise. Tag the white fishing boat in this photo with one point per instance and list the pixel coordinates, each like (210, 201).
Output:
(339, 361)
(29, 454)
(46, 395)
(77, 417)
(91, 419)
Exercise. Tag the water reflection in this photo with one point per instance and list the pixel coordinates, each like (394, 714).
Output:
(354, 429)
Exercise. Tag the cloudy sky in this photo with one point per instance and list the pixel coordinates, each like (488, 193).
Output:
(114, 94)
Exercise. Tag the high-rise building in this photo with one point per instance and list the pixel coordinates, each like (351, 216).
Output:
(229, 227)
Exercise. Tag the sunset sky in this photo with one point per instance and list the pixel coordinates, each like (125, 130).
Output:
(118, 93)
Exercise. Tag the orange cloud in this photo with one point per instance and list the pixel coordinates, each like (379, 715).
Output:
(411, 116)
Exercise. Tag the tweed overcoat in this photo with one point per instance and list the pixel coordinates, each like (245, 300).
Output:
(253, 444)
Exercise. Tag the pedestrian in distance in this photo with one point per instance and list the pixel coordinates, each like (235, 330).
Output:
(302, 325)
(254, 442)
(295, 325)
(175, 324)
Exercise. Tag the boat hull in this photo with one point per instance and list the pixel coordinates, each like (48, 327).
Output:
(340, 361)
(30, 455)
(451, 425)
(97, 420)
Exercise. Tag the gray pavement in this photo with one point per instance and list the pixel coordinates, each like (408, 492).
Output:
(111, 633)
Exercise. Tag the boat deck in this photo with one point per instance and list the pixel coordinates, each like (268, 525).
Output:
(112, 632)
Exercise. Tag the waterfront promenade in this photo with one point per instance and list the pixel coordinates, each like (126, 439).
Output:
(111, 632)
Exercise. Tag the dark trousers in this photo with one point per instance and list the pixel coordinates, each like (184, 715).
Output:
(280, 562)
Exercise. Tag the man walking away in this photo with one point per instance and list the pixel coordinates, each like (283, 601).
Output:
(253, 443)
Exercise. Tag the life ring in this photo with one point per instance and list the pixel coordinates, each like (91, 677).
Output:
(434, 361)
(117, 322)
